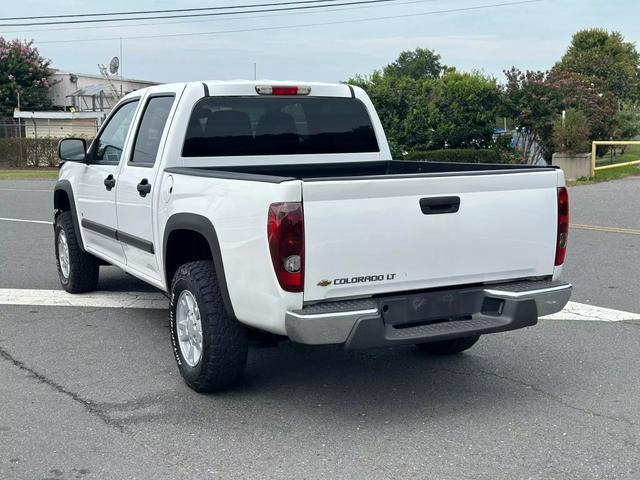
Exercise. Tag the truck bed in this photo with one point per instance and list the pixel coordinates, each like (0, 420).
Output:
(355, 170)
(378, 227)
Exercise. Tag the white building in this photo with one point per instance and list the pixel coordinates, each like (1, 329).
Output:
(80, 104)
(86, 92)
(59, 124)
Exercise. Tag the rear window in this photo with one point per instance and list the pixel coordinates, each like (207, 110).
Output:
(286, 125)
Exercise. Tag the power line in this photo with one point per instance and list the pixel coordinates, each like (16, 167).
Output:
(282, 27)
(335, 8)
(173, 10)
(192, 15)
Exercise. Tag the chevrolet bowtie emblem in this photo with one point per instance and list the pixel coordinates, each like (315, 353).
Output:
(324, 283)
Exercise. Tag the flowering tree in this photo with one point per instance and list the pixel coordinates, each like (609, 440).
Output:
(536, 99)
(23, 71)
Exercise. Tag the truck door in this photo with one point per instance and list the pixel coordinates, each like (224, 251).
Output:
(136, 191)
(96, 188)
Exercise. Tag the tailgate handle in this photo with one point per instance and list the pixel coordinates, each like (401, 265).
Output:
(438, 205)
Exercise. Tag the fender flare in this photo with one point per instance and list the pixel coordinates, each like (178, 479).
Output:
(203, 226)
(65, 186)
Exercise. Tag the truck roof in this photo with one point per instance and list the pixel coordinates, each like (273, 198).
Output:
(248, 87)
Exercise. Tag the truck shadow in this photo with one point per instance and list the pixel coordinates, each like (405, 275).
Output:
(385, 385)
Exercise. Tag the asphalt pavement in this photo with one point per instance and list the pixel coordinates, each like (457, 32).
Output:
(94, 392)
(604, 266)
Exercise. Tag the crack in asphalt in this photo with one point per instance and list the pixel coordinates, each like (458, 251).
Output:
(88, 406)
(552, 396)
(91, 408)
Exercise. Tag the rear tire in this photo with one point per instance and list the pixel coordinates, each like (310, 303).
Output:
(78, 270)
(448, 347)
(209, 345)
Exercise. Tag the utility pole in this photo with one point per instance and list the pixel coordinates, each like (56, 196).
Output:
(121, 62)
(255, 70)
(19, 127)
(19, 123)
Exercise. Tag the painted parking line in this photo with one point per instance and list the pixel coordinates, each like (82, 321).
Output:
(157, 300)
(25, 190)
(22, 220)
(60, 298)
(582, 311)
(597, 228)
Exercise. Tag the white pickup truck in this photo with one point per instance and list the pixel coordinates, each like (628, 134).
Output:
(268, 210)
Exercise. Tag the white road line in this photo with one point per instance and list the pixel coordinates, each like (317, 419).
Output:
(43, 222)
(582, 311)
(60, 298)
(25, 190)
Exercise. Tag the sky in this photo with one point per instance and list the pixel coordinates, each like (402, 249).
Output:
(490, 40)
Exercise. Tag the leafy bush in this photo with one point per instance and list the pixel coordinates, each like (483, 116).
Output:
(31, 152)
(28, 152)
(571, 135)
(465, 155)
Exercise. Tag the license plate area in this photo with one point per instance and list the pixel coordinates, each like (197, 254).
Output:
(406, 311)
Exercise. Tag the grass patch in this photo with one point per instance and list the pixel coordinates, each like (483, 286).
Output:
(29, 174)
(631, 154)
(606, 175)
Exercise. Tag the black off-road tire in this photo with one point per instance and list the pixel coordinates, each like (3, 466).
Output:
(448, 347)
(84, 268)
(224, 339)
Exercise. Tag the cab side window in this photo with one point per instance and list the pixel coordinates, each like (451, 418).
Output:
(150, 131)
(108, 146)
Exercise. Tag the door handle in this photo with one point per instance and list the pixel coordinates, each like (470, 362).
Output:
(109, 182)
(144, 187)
(439, 205)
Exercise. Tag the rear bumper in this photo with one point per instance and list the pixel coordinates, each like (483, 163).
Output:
(427, 317)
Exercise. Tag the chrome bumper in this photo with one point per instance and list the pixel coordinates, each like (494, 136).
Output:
(428, 316)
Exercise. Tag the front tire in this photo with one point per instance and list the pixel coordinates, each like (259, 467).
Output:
(78, 270)
(448, 347)
(209, 345)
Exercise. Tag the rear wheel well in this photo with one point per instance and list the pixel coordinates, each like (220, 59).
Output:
(184, 246)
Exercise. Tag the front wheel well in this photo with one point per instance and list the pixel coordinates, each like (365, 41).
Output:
(61, 201)
(184, 246)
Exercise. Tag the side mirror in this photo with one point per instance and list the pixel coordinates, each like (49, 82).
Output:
(72, 150)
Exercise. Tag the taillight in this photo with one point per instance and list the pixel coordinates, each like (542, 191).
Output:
(563, 225)
(282, 90)
(285, 231)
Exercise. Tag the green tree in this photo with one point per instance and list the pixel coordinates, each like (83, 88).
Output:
(394, 98)
(626, 122)
(463, 107)
(607, 56)
(434, 110)
(23, 71)
(418, 64)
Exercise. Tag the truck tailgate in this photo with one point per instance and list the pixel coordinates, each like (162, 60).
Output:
(397, 233)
